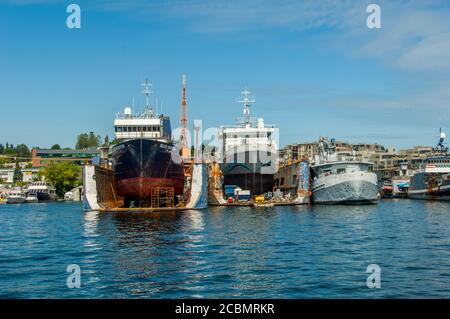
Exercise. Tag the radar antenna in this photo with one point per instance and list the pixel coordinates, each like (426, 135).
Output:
(147, 91)
(441, 148)
(246, 101)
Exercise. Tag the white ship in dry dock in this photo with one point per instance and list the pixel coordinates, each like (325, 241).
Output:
(341, 181)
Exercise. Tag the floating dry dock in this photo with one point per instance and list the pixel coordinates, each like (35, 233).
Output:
(100, 193)
(203, 188)
(294, 189)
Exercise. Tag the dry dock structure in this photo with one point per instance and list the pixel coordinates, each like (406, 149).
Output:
(100, 194)
(294, 188)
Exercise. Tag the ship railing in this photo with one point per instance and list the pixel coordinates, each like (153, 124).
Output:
(123, 116)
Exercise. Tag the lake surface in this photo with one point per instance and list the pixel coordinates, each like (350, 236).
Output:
(227, 252)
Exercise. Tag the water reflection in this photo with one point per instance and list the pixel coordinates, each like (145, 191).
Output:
(90, 223)
(287, 252)
(151, 248)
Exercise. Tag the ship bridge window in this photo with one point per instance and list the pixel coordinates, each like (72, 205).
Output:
(341, 170)
(134, 128)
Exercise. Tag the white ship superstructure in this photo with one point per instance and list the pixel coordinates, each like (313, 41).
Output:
(249, 133)
(148, 125)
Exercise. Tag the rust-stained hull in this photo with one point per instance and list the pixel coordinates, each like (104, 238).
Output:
(107, 196)
(142, 165)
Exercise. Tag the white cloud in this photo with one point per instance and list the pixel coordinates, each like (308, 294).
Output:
(414, 34)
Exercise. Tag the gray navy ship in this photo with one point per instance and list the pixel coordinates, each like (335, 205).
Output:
(432, 181)
(341, 180)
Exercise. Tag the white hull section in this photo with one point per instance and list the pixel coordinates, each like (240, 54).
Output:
(15, 200)
(349, 188)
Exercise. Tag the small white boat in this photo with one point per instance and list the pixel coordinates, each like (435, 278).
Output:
(16, 197)
(68, 197)
(43, 191)
(31, 198)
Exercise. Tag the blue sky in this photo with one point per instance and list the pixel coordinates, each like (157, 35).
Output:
(314, 67)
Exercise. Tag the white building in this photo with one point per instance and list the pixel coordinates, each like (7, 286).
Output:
(28, 175)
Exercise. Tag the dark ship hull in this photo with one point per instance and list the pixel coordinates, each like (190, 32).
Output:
(45, 197)
(429, 186)
(252, 175)
(143, 167)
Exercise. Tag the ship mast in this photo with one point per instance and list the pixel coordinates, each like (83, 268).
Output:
(441, 148)
(147, 91)
(246, 102)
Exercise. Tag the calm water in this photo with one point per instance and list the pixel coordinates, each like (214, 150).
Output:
(285, 252)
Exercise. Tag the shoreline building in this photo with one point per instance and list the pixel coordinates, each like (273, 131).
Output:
(28, 175)
(388, 162)
(43, 157)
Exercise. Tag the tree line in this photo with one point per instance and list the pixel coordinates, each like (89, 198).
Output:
(84, 141)
(63, 175)
(20, 150)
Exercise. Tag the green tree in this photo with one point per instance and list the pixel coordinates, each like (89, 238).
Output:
(23, 151)
(85, 141)
(18, 176)
(2, 148)
(56, 147)
(9, 149)
(63, 175)
(3, 161)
